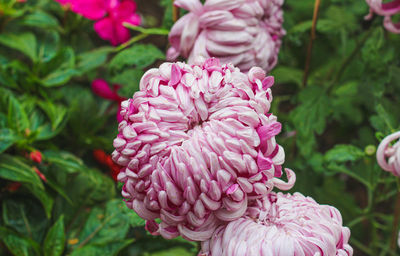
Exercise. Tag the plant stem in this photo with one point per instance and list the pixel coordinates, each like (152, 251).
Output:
(175, 12)
(131, 41)
(310, 44)
(396, 221)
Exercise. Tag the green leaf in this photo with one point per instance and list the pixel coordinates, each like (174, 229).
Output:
(139, 55)
(40, 19)
(7, 139)
(11, 168)
(90, 60)
(130, 80)
(59, 77)
(64, 161)
(17, 245)
(106, 249)
(25, 43)
(56, 113)
(25, 216)
(17, 118)
(344, 153)
(309, 118)
(46, 200)
(106, 225)
(287, 75)
(55, 239)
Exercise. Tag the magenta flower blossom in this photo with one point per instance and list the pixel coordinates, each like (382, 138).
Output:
(111, 28)
(196, 143)
(387, 10)
(282, 225)
(110, 16)
(102, 89)
(391, 153)
(245, 33)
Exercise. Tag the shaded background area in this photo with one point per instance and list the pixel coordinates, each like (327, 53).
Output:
(68, 203)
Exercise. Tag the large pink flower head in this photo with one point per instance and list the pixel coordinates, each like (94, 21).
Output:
(388, 156)
(282, 225)
(387, 10)
(246, 33)
(110, 16)
(197, 142)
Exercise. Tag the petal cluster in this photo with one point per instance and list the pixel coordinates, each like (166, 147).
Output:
(245, 33)
(387, 9)
(197, 143)
(388, 154)
(110, 16)
(282, 225)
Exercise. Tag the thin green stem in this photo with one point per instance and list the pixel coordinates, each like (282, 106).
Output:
(130, 42)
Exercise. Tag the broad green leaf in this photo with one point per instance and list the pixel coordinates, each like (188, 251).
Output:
(17, 118)
(104, 249)
(18, 245)
(93, 59)
(56, 113)
(40, 19)
(309, 118)
(25, 43)
(344, 153)
(59, 77)
(7, 139)
(64, 160)
(129, 80)
(139, 55)
(284, 75)
(106, 225)
(46, 200)
(55, 239)
(26, 216)
(11, 168)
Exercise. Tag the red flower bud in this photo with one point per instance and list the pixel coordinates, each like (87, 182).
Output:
(100, 156)
(36, 156)
(12, 187)
(39, 173)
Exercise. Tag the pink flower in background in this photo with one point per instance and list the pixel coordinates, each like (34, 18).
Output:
(245, 33)
(111, 28)
(282, 225)
(387, 10)
(102, 89)
(110, 16)
(388, 156)
(197, 143)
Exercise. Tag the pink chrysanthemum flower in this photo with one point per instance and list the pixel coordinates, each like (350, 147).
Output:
(387, 10)
(245, 33)
(390, 152)
(110, 16)
(197, 142)
(282, 225)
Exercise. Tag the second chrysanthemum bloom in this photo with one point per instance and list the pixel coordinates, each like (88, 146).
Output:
(242, 32)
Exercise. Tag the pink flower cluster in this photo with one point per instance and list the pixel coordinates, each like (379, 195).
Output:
(388, 156)
(387, 10)
(197, 143)
(282, 225)
(245, 33)
(109, 15)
